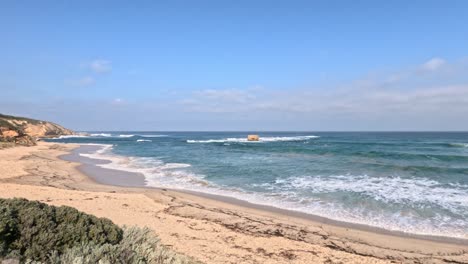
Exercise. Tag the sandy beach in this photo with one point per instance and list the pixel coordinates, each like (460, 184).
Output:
(209, 229)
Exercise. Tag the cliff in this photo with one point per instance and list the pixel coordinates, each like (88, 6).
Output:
(25, 131)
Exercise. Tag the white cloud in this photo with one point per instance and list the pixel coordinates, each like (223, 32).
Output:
(220, 100)
(96, 67)
(100, 66)
(351, 103)
(227, 95)
(433, 64)
(403, 92)
(118, 101)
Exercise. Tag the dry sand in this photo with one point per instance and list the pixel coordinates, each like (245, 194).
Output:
(209, 230)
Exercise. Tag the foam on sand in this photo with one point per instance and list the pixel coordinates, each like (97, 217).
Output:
(156, 172)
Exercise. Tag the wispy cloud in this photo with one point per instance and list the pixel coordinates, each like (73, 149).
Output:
(93, 70)
(433, 64)
(100, 66)
(402, 92)
(118, 101)
(221, 100)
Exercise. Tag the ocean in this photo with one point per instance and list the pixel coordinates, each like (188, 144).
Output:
(414, 182)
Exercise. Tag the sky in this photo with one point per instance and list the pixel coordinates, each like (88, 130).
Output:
(236, 65)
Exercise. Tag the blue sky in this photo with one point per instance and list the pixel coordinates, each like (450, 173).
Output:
(236, 65)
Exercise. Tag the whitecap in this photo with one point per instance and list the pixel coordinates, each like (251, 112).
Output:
(152, 135)
(69, 136)
(389, 189)
(126, 136)
(459, 145)
(101, 135)
(244, 140)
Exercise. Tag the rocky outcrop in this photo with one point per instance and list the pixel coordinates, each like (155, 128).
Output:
(253, 138)
(46, 129)
(25, 131)
(15, 136)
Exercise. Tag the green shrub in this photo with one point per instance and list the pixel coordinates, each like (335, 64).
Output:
(8, 117)
(8, 229)
(32, 230)
(137, 246)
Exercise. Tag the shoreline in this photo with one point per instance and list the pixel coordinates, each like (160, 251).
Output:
(122, 178)
(208, 228)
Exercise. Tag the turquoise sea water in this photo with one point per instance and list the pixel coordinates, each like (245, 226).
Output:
(405, 181)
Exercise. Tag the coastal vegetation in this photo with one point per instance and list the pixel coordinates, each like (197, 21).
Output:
(34, 232)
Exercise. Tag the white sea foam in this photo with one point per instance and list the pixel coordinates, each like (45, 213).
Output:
(125, 136)
(459, 145)
(417, 191)
(98, 135)
(156, 172)
(104, 148)
(112, 135)
(144, 140)
(101, 135)
(175, 165)
(244, 140)
(415, 194)
(106, 135)
(152, 135)
(69, 136)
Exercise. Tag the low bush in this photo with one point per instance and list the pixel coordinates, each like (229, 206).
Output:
(31, 230)
(34, 232)
(137, 246)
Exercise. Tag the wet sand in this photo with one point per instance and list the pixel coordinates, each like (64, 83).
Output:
(210, 228)
(102, 175)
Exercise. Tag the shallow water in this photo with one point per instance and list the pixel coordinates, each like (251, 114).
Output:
(411, 182)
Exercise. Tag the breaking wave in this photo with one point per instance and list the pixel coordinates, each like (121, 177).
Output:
(144, 140)
(126, 136)
(106, 135)
(157, 173)
(152, 135)
(417, 191)
(459, 145)
(100, 135)
(69, 136)
(262, 139)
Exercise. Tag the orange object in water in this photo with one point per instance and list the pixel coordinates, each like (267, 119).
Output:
(253, 138)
